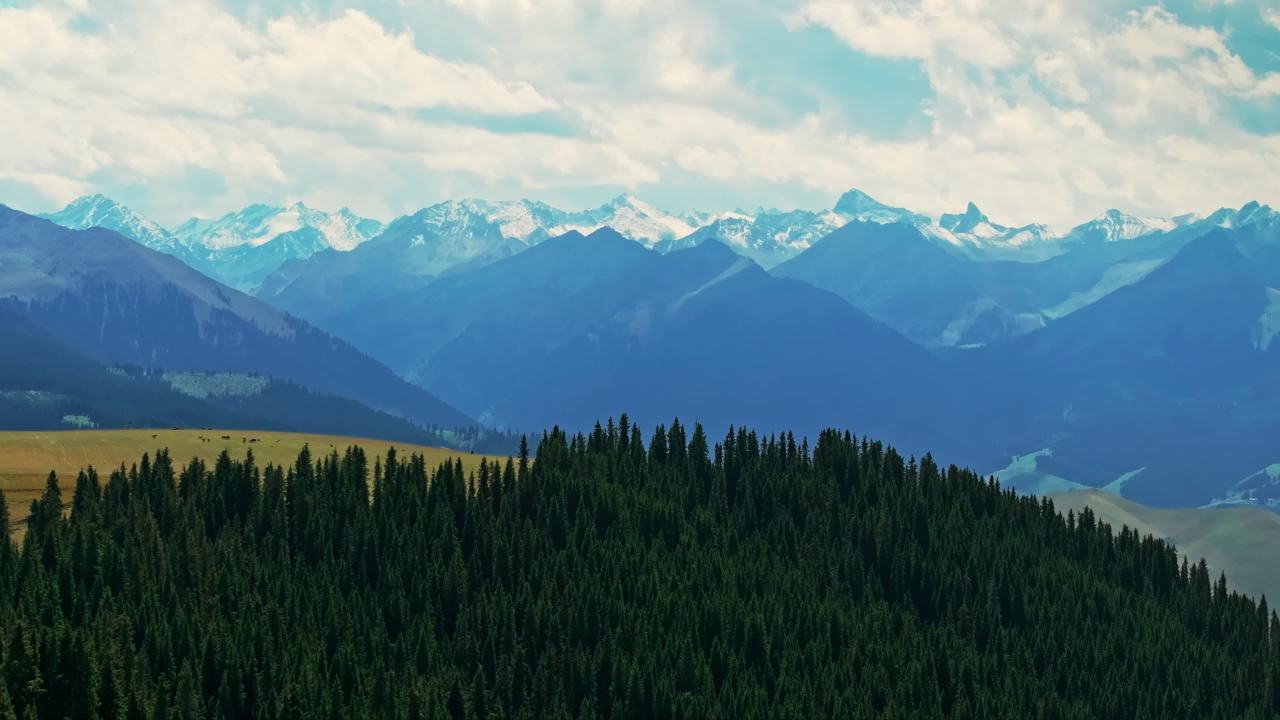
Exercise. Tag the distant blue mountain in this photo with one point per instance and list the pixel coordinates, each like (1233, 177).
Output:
(112, 299)
(45, 385)
(581, 325)
(941, 295)
(927, 291)
(1148, 377)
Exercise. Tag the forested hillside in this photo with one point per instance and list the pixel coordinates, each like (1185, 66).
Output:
(609, 577)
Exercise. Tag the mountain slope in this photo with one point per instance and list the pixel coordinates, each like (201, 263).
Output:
(898, 275)
(1122, 384)
(584, 322)
(116, 301)
(98, 211)
(977, 284)
(45, 385)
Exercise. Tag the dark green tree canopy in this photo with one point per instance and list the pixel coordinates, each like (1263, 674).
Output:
(602, 576)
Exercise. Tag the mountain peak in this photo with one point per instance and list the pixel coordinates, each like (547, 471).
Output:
(964, 222)
(717, 250)
(607, 234)
(855, 202)
(622, 199)
(92, 199)
(96, 202)
(1116, 225)
(857, 205)
(98, 210)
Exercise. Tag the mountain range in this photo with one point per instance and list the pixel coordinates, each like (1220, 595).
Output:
(1082, 359)
(995, 280)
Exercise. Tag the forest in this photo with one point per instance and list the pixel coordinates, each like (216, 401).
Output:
(612, 574)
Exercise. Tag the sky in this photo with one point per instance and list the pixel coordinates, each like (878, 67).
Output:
(1038, 110)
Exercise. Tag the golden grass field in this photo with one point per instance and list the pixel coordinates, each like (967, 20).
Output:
(27, 457)
(1244, 542)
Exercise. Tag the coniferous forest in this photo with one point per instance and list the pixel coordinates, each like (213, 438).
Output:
(608, 575)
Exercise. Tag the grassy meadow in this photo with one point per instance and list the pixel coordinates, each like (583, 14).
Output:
(27, 457)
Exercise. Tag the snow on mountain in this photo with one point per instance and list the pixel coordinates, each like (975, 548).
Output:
(243, 248)
(99, 211)
(971, 222)
(1251, 213)
(857, 205)
(258, 224)
(532, 222)
(771, 237)
(455, 233)
(239, 249)
(1114, 226)
(630, 217)
(974, 233)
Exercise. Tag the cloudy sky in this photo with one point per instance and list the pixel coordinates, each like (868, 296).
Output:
(1038, 110)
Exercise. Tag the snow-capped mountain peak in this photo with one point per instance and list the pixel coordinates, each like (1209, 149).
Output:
(971, 220)
(857, 205)
(1251, 213)
(974, 233)
(1114, 225)
(259, 224)
(630, 217)
(100, 211)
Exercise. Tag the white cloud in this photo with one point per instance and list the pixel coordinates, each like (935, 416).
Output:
(1058, 73)
(1085, 111)
(353, 58)
(1046, 111)
(1271, 16)
(186, 85)
(193, 56)
(928, 30)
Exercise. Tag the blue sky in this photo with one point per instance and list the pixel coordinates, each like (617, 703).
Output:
(1048, 111)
